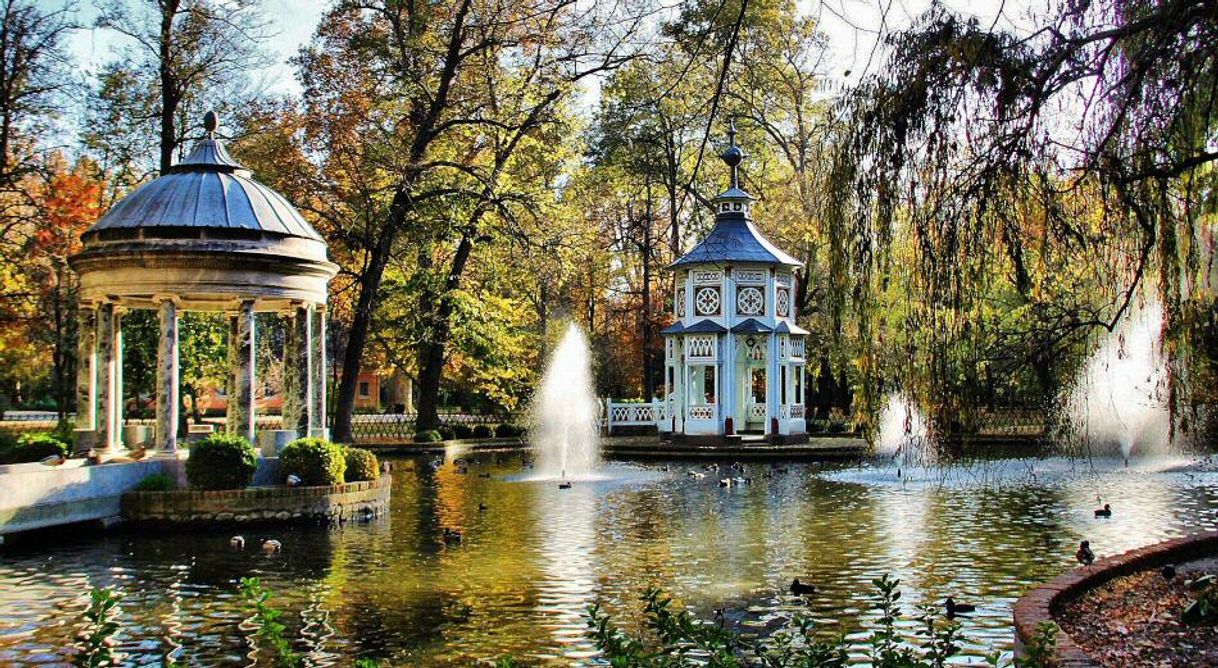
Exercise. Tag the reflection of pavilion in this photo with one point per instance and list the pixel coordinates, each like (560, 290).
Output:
(735, 357)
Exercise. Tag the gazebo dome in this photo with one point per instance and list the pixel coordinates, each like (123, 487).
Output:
(206, 232)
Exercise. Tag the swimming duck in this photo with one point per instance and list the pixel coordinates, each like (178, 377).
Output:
(725, 482)
(800, 589)
(452, 536)
(954, 608)
(695, 474)
(293, 480)
(237, 542)
(482, 507)
(564, 485)
(1084, 555)
(1106, 511)
(271, 546)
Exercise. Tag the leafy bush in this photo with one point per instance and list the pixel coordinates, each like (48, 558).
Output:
(35, 446)
(674, 639)
(446, 433)
(816, 427)
(509, 431)
(429, 436)
(462, 431)
(362, 465)
(484, 431)
(315, 461)
(221, 462)
(837, 427)
(157, 482)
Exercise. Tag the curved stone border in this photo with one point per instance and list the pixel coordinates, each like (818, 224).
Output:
(1037, 604)
(336, 503)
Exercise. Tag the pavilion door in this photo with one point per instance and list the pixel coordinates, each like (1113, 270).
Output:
(753, 391)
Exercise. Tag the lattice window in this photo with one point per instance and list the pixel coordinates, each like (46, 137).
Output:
(783, 302)
(708, 277)
(756, 411)
(701, 412)
(797, 412)
(749, 301)
(700, 347)
(797, 347)
(749, 275)
(681, 302)
(754, 349)
(706, 301)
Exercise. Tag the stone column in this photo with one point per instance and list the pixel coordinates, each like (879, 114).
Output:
(109, 363)
(86, 369)
(298, 370)
(241, 357)
(167, 387)
(317, 416)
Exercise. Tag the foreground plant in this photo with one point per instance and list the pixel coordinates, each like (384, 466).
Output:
(675, 639)
(266, 617)
(101, 627)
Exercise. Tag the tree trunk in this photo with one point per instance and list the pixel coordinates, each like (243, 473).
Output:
(431, 355)
(648, 357)
(170, 99)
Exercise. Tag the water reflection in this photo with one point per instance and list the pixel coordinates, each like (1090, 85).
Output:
(533, 557)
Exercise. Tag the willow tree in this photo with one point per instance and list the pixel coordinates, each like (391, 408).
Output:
(1003, 161)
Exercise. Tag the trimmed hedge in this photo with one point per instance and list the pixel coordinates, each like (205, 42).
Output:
(221, 461)
(447, 433)
(462, 431)
(429, 436)
(315, 461)
(509, 431)
(32, 447)
(362, 465)
(484, 432)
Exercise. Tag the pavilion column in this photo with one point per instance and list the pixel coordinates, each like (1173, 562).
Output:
(86, 369)
(167, 387)
(110, 381)
(317, 376)
(241, 357)
(298, 371)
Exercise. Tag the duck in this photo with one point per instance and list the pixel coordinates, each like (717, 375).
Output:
(293, 480)
(452, 535)
(564, 485)
(742, 480)
(482, 507)
(1084, 555)
(93, 457)
(695, 474)
(271, 546)
(954, 608)
(1168, 572)
(53, 460)
(237, 542)
(725, 482)
(800, 589)
(1106, 511)
(484, 475)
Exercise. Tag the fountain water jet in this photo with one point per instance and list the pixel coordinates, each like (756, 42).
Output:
(565, 414)
(903, 433)
(1119, 397)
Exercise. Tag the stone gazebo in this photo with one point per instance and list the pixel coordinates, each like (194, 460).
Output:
(734, 358)
(204, 236)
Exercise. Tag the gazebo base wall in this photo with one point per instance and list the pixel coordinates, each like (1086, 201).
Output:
(737, 439)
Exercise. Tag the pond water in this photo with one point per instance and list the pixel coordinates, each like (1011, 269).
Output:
(519, 582)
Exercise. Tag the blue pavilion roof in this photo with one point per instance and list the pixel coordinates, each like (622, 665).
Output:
(674, 328)
(734, 239)
(704, 327)
(751, 326)
(787, 328)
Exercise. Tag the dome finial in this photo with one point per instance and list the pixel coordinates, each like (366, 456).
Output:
(733, 156)
(210, 123)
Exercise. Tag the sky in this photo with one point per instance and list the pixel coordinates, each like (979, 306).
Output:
(853, 28)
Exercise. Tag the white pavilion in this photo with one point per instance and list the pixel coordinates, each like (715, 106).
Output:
(734, 358)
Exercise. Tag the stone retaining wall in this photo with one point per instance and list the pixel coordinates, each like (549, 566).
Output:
(1038, 604)
(337, 503)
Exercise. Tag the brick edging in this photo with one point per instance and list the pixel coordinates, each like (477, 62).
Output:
(1037, 605)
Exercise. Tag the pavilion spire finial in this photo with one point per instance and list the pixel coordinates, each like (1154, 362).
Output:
(211, 122)
(733, 156)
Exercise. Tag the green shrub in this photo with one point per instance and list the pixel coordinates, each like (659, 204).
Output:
(446, 433)
(462, 431)
(509, 431)
(8, 444)
(837, 427)
(35, 446)
(429, 436)
(484, 431)
(221, 462)
(315, 461)
(157, 482)
(362, 465)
